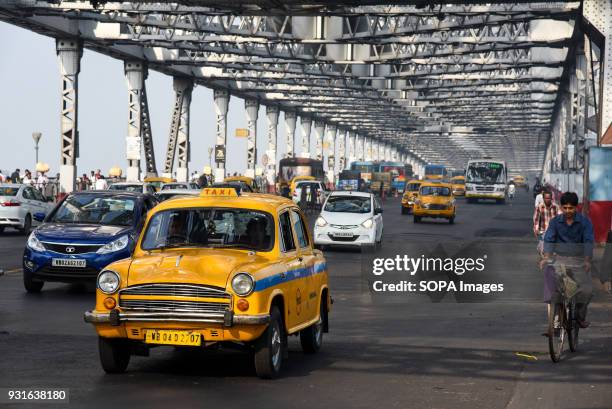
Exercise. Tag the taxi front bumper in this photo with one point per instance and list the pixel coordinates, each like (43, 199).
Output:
(227, 319)
(485, 195)
(419, 211)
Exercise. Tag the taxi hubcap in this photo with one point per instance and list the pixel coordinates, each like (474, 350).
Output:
(276, 346)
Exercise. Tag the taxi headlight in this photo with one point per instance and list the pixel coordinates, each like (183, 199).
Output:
(34, 243)
(368, 223)
(243, 284)
(115, 245)
(108, 281)
(321, 222)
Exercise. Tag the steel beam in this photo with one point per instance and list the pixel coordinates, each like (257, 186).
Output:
(290, 122)
(221, 100)
(305, 124)
(179, 128)
(319, 131)
(272, 112)
(252, 112)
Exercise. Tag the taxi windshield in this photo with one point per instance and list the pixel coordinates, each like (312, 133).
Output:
(96, 209)
(435, 191)
(348, 204)
(210, 227)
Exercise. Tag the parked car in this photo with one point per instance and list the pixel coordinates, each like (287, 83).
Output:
(219, 268)
(85, 232)
(180, 185)
(349, 219)
(21, 207)
(133, 187)
(164, 195)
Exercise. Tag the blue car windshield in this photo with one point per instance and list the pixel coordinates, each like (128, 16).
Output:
(96, 209)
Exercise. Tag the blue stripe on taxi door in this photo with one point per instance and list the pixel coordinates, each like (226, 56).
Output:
(298, 273)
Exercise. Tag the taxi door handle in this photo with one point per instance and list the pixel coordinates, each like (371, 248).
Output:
(283, 275)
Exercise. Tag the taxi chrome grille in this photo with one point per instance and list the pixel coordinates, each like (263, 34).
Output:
(435, 206)
(177, 290)
(172, 306)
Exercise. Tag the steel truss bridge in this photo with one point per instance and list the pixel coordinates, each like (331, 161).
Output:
(416, 81)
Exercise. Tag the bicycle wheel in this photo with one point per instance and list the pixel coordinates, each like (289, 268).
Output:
(572, 326)
(556, 331)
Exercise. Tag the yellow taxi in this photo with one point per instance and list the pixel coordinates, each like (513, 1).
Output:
(411, 192)
(435, 200)
(295, 180)
(158, 182)
(519, 181)
(250, 182)
(212, 269)
(458, 183)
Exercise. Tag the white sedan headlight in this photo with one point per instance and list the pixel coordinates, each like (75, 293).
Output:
(243, 284)
(321, 222)
(368, 223)
(34, 243)
(108, 281)
(115, 245)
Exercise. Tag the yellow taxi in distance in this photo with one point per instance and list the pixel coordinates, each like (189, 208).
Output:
(215, 268)
(519, 181)
(293, 182)
(243, 179)
(458, 183)
(411, 192)
(435, 200)
(158, 182)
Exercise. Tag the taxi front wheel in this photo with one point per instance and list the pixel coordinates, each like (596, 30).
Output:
(269, 348)
(114, 354)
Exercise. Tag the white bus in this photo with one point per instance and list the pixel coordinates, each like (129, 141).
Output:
(486, 179)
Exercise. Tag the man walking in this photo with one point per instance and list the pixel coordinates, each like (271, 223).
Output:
(568, 243)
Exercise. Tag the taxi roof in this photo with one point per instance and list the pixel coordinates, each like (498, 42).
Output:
(436, 184)
(239, 179)
(257, 201)
(414, 181)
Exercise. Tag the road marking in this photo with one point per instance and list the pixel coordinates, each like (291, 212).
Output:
(13, 271)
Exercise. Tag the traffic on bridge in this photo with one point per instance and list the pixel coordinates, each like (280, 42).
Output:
(358, 203)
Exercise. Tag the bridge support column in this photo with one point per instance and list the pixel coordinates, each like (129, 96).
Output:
(179, 128)
(69, 53)
(221, 100)
(306, 125)
(252, 111)
(352, 153)
(290, 121)
(367, 149)
(183, 141)
(146, 132)
(135, 74)
(319, 130)
(272, 114)
(330, 147)
(341, 147)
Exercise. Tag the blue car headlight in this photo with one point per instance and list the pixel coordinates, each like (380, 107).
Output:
(115, 245)
(34, 243)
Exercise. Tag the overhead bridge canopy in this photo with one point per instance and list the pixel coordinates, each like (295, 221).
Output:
(446, 82)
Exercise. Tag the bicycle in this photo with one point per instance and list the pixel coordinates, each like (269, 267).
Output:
(562, 321)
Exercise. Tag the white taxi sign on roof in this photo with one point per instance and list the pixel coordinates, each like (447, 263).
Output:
(218, 191)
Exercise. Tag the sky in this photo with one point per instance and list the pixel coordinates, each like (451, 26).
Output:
(30, 87)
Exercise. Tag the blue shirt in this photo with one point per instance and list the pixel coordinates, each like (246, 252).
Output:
(569, 240)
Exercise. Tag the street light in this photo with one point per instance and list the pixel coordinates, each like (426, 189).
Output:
(36, 136)
(210, 151)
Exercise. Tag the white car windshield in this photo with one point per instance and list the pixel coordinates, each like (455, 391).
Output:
(348, 204)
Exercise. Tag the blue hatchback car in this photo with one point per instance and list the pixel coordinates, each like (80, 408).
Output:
(85, 232)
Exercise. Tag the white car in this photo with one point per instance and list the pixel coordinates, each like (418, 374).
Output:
(349, 219)
(180, 185)
(317, 185)
(21, 207)
(133, 187)
(163, 195)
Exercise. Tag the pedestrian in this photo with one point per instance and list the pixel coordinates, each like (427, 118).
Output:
(511, 190)
(2, 177)
(15, 178)
(101, 183)
(568, 245)
(41, 181)
(27, 178)
(202, 181)
(542, 216)
(85, 182)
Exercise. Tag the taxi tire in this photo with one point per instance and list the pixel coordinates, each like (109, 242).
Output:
(311, 338)
(114, 354)
(31, 285)
(404, 210)
(1, 229)
(416, 219)
(264, 365)
(451, 220)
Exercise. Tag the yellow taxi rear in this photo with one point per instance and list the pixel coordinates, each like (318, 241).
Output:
(213, 269)
(435, 201)
(411, 193)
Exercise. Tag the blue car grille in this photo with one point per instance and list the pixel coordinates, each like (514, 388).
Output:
(71, 248)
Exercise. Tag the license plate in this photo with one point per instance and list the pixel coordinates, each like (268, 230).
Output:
(343, 234)
(168, 337)
(68, 262)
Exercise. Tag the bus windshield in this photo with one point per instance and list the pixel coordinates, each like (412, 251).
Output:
(434, 170)
(485, 172)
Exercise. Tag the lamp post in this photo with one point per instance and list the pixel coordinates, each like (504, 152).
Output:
(210, 151)
(36, 136)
